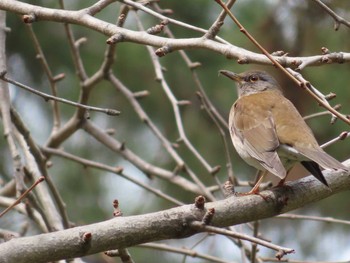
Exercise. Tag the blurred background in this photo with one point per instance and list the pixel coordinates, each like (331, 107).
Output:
(300, 28)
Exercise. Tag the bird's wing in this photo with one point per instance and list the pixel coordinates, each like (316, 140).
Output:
(321, 157)
(302, 138)
(259, 138)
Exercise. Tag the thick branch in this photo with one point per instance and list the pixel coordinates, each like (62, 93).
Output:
(128, 231)
(244, 56)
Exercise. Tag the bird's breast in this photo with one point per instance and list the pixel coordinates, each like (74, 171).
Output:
(242, 150)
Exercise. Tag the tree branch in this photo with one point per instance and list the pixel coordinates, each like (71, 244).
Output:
(122, 232)
(230, 51)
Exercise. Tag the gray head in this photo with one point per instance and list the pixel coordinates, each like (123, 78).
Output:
(250, 82)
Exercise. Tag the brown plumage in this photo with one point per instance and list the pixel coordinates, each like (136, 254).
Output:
(269, 133)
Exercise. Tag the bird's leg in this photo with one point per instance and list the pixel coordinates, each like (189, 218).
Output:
(255, 190)
(281, 183)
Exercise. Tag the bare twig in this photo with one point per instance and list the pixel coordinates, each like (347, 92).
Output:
(211, 229)
(41, 179)
(319, 114)
(215, 27)
(52, 79)
(179, 123)
(183, 251)
(21, 208)
(256, 225)
(314, 218)
(115, 170)
(74, 47)
(337, 19)
(342, 136)
(144, 166)
(38, 163)
(143, 8)
(51, 97)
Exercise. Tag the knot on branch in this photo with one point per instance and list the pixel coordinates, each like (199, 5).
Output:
(112, 112)
(115, 39)
(86, 237)
(179, 168)
(59, 77)
(208, 217)
(279, 53)
(199, 202)
(241, 60)
(215, 170)
(229, 189)
(324, 50)
(330, 96)
(121, 19)
(154, 30)
(194, 65)
(28, 19)
(79, 42)
(183, 103)
(85, 240)
(141, 94)
(3, 74)
(161, 52)
(198, 211)
(339, 57)
(279, 255)
(117, 212)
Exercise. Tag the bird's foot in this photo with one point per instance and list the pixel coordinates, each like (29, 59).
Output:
(254, 192)
(283, 184)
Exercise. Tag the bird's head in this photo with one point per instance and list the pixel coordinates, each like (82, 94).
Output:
(250, 82)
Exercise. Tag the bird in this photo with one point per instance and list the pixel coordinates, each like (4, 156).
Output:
(269, 133)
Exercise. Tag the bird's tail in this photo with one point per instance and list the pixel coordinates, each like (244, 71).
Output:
(322, 158)
(315, 170)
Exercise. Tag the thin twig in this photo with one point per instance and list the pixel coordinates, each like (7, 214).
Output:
(74, 47)
(26, 192)
(130, 96)
(52, 81)
(144, 166)
(337, 19)
(299, 261)
(211, 229)
(115, 170)
(319, 114)
(50, 97)
(32, 152)
(314, 218)
(340, 137)
(222, 133)
(196, 244)
(98, 7)
(141, 7)
(183, 251)
(21, 208)
(215, 27)
(178, 120)
(254, 245)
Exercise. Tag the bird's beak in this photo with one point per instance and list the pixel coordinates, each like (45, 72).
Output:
(231, 75)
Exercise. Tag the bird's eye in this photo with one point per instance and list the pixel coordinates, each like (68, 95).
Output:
(253, 78)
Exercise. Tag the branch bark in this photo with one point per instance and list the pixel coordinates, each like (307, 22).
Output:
(83, 18)
(122, 232)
